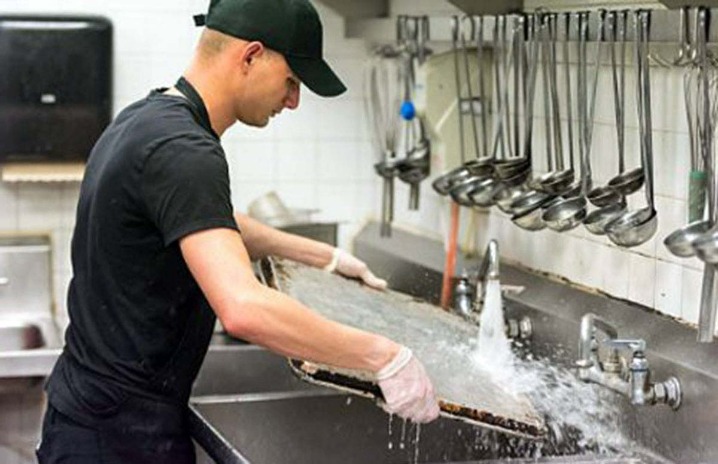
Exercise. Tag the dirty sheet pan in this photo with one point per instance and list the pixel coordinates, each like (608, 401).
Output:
(442, 341)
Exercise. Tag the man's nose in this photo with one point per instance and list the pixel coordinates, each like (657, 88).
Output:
(292, 100)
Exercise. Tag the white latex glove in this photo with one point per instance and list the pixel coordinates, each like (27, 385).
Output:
(407, 390)
(349, 265)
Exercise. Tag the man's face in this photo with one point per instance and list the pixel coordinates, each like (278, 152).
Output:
(272, 86)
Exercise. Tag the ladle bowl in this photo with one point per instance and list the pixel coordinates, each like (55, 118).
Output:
(633, 228)
(557, 182)
(506, 169)
(532, 220)
(572, 191)
(706, 247)
(444, 182)
(517, 179)
(483, 167)
(680, 242)
(603, 196)
(565, 214)
(461, 190)
(528, 201)
(506, 195)
(596, 221)
(485, 192)
(628, 182)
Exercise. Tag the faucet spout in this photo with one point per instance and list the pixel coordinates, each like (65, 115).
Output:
(587, 346)
(489, 268)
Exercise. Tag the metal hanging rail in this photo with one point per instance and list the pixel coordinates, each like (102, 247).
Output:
(666, 27)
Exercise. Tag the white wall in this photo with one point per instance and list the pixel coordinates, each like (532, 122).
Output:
(316, 157)
(647, 274)
(321, 156)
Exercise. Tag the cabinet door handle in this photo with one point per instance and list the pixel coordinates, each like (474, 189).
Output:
(4, 281)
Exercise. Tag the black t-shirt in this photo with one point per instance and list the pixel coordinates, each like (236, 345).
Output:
(139, 323)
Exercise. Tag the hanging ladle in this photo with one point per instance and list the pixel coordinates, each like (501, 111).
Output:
(484, 193)
(626, 182)
(636, 227)
(606, 195)
(680, 242)
(568, 213)
(515, 170)
(444, 183)
(511, 169)
(557, 181)
(480, 169)
(596, 221)
(527, 205)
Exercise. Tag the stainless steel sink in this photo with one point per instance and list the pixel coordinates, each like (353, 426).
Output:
(23, 336)
(332, 428)
(242, 368)
(19, 337)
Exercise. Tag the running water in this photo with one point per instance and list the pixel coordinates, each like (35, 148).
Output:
(581, 418)
(494, 350)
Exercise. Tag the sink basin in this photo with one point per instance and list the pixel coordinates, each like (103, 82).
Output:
(20, 337)
(239, 369)
(332, 428)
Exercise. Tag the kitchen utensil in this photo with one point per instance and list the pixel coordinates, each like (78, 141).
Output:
(636, 227)
(569, 213)
(605, 195)
(383, 99)
(626, 182)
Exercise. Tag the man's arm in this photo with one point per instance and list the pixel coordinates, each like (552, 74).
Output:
(262, 240)
(247, 309)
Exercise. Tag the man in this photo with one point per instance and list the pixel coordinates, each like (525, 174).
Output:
(158, 254)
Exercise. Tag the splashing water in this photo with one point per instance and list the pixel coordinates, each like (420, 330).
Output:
(494, 349)
(571, 407)
(416, 443)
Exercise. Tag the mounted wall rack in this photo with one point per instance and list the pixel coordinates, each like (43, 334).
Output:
(664, 28)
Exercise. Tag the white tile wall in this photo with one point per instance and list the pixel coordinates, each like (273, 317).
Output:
(321, 156)
(318, 156)
(647, 274)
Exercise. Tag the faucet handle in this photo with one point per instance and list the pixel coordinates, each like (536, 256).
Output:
(632, 345)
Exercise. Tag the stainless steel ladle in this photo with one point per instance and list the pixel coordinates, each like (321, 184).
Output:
(606, 195)
(569, 213)
(633, 228)
(627, 182)
(558, 180)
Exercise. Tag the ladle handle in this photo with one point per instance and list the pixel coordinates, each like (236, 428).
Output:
(457, 80)
(482, 90)
(707, 314)
(641, 24)
(567, 77)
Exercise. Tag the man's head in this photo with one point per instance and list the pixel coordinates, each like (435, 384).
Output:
(290, 27)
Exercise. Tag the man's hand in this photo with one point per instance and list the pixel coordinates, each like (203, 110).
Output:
(407, 390)
(349, 265)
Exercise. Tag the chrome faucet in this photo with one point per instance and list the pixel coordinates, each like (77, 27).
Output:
(469, 304)
(629, 375)
(489, 268)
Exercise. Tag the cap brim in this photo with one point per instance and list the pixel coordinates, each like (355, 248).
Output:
(317, 76)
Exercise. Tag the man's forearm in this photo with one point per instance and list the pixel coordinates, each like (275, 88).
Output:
(262, 240)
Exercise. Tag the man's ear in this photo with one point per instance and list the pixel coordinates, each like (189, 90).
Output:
(251, 52)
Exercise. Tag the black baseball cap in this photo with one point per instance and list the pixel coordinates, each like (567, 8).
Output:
(290, 27)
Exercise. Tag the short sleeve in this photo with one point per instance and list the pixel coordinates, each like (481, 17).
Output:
(185, 185)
